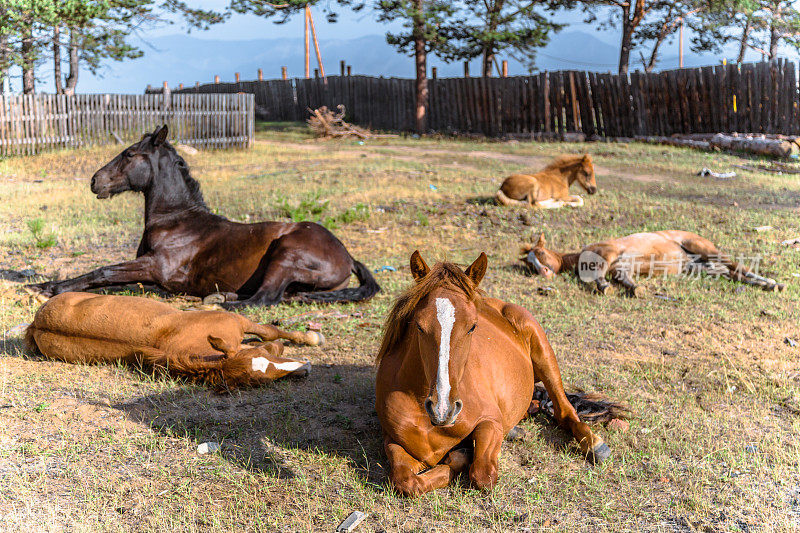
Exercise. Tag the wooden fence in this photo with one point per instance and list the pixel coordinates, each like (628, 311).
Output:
(32, 123)
(751, 97)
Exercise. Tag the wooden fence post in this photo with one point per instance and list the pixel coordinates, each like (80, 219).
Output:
(316, 73)
(236, 75)
(433, 72)
(505, 68)
(466, 69)
(260, 75)
(342, 66)
(349, 70)
(216, 79)
(284, 73)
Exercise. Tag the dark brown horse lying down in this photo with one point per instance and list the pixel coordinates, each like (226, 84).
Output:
(457, 370)
(654, 253)
(188, 249)
(205, 346)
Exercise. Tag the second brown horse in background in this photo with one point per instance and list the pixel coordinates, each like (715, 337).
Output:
(641, 254)
(457, 370)
(549, 188)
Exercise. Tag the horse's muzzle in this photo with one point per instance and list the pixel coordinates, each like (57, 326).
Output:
(101, 192)
(591, 190)
(449, 417)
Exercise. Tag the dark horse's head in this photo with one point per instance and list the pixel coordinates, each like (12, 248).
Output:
(137, 166)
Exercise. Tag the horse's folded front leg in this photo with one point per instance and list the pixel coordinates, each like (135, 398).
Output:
(409, 476)
(137, 271)
(488, 437)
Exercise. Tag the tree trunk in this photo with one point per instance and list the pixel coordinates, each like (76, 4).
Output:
(488, 62)
(625, 48)
(774, 38)
(492, 22)
(57, 59)
(28, 52)
(748, 26)
(420, 57)
(72, 79)
(3, 59)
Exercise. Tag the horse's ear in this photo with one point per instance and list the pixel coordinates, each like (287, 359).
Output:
(541, 242)
(160, 135)
(587, 158)
(476, 270)
(221, 345)
(419, 269)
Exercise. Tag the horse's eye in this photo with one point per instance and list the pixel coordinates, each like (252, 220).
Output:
(420, 329)
(127, 153)
(475, 325)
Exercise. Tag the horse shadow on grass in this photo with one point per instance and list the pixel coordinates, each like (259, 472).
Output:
(330, 412)
(482, 200)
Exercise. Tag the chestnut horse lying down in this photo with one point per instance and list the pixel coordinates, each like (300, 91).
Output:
(457, 370)
(652, 253)
(549, 189)
(205, 346)
(188, 249)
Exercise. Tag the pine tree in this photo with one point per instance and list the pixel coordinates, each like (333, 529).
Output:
(486, 27)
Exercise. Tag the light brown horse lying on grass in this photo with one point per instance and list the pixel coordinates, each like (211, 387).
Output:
(549, 189)
(205, 346)
(457, 370)
(643, 254)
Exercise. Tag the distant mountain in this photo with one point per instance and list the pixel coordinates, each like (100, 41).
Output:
(185, 59)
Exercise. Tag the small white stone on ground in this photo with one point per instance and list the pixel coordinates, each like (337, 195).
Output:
(208, 447)
(351, 522)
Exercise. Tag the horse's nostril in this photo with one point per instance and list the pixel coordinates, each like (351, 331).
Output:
(94, 180)
(457, 405)
(429, 406)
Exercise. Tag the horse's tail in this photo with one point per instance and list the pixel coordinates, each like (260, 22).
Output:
(502, 199)
(590, 406)
(30, 340)
(366, 289)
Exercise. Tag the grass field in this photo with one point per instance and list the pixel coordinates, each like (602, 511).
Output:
(713, 444)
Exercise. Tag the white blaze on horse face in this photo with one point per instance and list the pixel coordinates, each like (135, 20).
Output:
(446, 315)
(261, 364)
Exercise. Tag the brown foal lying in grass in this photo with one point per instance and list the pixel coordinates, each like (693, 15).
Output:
(643, 254)
(205, 346)
(549, 189)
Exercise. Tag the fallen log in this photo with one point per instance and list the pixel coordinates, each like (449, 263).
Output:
(755, 145)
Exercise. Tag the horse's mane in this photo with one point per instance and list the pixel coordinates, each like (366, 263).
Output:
(442, 275)
(565, 161)
(192, 185)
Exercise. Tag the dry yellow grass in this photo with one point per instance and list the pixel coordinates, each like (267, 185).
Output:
(713, 444)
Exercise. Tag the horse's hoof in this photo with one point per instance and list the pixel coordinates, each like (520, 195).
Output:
(781, 287)
(216, 298)
(516, 434)
(599, 453)
(301, 372)
(639, 292)
(315, 338)
(608, 290)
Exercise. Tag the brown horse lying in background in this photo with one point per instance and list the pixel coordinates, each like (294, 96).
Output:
(201, 345)
(185, 248)
(458, 369)
(549, 189)
(653, 253)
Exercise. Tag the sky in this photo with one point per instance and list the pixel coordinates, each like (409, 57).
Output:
(161, 62)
